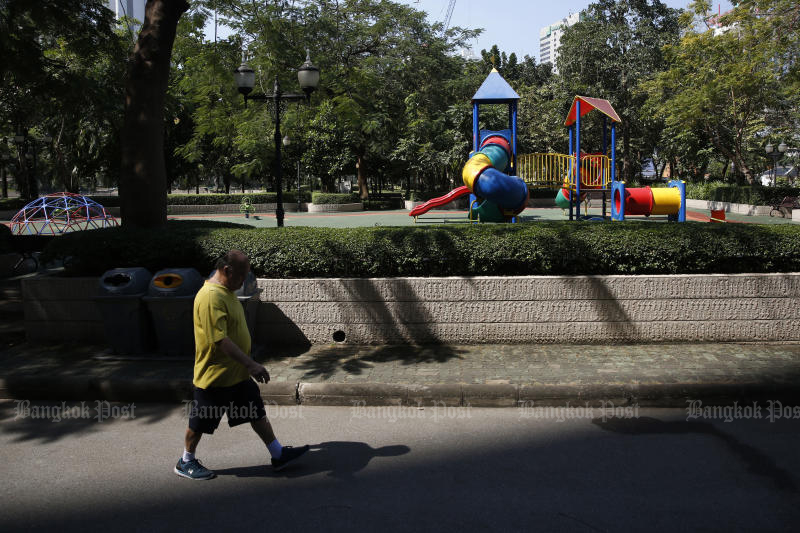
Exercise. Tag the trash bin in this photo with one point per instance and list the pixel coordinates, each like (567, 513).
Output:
(248, 297)
(169, 299)
(126, 323)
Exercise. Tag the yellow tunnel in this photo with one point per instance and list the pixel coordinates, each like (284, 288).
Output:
(476, 164)
(666, 201)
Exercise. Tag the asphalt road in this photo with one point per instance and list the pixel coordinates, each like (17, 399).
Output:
(393, 469)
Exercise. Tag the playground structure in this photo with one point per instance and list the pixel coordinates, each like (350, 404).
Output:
(499, 182)
(497, 194)
(59, 213)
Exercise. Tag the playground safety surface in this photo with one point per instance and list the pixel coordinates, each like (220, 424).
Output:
(401, 218)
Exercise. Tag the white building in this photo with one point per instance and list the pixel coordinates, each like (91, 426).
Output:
(128, 8)
(550, 39)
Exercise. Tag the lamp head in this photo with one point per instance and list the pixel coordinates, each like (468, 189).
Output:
(245, 78)
(308, 75)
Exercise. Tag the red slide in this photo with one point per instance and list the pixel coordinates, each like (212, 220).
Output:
(436, 202)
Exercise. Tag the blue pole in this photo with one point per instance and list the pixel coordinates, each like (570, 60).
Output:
(578, 159)
(513, 108)
(475, 139)
(613, 152)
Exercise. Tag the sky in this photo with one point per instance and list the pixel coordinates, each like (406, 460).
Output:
(514, 24)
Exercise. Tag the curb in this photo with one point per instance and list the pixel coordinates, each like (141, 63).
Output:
(676, 395)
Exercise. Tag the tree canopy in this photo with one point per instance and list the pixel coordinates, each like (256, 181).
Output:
(393, 108)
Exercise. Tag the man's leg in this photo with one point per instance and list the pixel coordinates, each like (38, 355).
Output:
(200, 421)
(281, 455)
(262, 427)
(191, 440)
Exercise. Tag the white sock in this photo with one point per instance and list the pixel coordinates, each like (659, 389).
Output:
(187, 456)
(275, 448)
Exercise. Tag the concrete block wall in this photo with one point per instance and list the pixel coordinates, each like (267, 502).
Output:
(61, 309)
(475, 310)
(537, 309)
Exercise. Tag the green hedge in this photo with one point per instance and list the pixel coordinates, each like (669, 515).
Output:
(543, 248)
(219, 199)
(184, 199)
(327, 198)
(718, 191)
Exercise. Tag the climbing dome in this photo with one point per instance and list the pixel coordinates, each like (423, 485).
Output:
(59, 213)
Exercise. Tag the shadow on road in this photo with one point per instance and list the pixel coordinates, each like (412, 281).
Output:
(340, 459)
(754, 460)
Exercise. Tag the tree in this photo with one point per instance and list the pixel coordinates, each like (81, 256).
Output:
(60, 78)
(615, 45)
(718, 85)
(143, 182)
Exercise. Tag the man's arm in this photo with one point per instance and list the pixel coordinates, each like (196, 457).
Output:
(256, 370)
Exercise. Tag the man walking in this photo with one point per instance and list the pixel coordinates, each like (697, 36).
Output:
(223, 369)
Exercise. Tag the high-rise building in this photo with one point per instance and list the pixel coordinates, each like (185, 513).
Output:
(128, 8)
(550, 39)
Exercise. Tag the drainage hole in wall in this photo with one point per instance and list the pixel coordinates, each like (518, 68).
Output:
(338, 336)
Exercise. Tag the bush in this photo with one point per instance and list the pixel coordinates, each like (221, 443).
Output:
(542, 248)
(543, 193)
(12, 204)
(184, 199)
(328, 198)
(15, 204)
(220, 199)
(718, 191)
(382, 205)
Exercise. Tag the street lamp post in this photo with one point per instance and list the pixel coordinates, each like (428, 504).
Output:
(287, 141)
(776, 156)
(308, 78)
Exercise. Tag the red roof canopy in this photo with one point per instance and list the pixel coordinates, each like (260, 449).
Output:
(588, 104)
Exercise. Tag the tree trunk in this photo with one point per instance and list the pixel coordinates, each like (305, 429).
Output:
(143, 177)
(5, 181)
(627, 167)
(25, 179)
(660, 170)
(363, 189)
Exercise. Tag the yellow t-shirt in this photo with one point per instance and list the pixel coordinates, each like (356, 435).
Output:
(218, 314)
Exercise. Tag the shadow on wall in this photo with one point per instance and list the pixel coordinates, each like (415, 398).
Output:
(278, 329)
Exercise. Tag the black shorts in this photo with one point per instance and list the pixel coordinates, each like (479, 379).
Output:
(241, 402)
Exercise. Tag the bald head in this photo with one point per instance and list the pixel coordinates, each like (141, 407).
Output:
(232, 269)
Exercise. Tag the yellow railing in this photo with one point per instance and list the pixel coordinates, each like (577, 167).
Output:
(551, 170)
(544, 170)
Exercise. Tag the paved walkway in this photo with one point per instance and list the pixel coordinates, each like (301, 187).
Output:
(662, 375)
